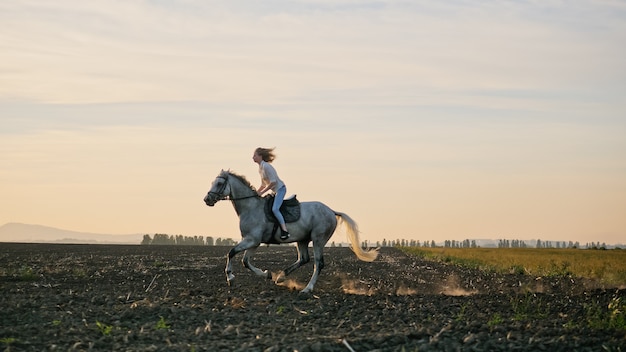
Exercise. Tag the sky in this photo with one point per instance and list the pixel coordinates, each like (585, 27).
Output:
(423, 120)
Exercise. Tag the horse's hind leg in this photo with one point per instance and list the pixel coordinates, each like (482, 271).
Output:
(303, 258)
(318, 254)
(246, 262)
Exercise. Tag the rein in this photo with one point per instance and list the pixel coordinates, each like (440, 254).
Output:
(240, 198)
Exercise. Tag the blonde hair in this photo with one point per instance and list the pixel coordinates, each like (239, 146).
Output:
(267, 154)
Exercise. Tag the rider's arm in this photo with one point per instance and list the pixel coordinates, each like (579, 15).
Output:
(265, 188)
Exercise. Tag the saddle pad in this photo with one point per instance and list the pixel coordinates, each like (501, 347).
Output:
(290, 209)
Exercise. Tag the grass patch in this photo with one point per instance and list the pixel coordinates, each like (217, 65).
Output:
(528, 307)
(79, 273)
(162, 324)
(496, 319)
(159, 264)
(607, 266)
(104, 328)
(25, 273)
(7, 340)
(612, 316)
(461, 315)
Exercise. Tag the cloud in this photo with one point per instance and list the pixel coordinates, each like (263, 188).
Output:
(76, 52)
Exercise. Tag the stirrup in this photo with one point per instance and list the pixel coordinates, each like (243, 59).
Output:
(284, 234)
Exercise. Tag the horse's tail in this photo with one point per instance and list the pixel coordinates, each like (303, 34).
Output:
(353, 235)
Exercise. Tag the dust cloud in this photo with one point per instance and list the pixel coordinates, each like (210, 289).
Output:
(452, 287)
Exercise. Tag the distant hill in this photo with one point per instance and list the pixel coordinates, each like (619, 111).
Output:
(16, 232)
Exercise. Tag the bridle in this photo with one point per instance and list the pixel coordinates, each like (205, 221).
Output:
(220, 193)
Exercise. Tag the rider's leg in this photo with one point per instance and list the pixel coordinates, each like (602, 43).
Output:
(278, 201)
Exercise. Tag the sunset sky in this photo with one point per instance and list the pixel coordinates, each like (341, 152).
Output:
(423, 120)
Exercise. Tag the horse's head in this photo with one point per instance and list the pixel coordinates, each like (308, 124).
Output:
(220, 189)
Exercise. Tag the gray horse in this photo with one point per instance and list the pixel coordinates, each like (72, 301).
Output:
(317, 223)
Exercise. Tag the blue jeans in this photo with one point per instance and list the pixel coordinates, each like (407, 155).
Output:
(278, 201)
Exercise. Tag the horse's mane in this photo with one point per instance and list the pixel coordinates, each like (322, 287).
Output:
(241, 178)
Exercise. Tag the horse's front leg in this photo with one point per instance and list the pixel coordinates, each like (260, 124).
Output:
(246, 262)
(245, 244)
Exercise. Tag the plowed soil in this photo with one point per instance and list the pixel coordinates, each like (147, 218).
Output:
(175, 298)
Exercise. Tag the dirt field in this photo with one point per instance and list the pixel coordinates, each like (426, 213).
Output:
(175, 298)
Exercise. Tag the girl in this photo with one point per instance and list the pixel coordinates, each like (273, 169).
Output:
(270, 181)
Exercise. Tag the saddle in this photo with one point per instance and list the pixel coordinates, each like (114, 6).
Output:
(290, 209)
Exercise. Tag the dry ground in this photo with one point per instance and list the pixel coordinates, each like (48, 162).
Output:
(175, 298)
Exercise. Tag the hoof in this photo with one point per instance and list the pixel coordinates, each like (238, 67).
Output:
(229, 278)
(279, 278)
(304, 295)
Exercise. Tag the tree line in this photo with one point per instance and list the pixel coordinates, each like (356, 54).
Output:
(164, 239)
(502, 243)
(417, 243)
